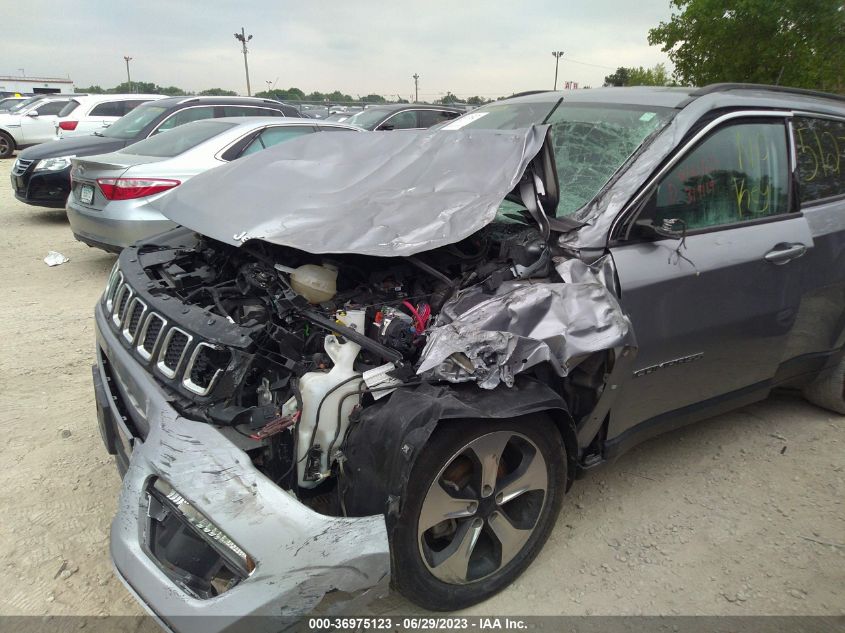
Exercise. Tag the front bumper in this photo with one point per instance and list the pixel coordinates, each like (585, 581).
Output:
(42, 188)
(300, 555)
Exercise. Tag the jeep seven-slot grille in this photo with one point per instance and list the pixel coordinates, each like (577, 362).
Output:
(166, 349)
(206, 364)
(135, 313)
(175, 349)
(150, 337)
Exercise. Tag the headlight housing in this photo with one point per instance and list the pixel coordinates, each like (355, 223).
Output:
(53, 164)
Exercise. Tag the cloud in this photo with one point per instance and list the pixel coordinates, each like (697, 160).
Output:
(488, 48)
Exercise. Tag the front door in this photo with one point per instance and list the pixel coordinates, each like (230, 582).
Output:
(41, 127)
(713, 312)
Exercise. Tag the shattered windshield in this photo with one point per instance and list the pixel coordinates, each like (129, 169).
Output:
(591, 141)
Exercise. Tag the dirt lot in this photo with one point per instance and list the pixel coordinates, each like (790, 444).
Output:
(742, 514)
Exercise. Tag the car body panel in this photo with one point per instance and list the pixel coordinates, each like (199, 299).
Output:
(114, 224)
(711, 320)
(51, 189)
(89, 118)
(351, 555)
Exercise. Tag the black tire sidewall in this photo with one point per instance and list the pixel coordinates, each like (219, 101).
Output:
(11, 144)
(410, 575)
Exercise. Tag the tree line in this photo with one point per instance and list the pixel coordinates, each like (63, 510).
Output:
(796, 43)
(290, 94)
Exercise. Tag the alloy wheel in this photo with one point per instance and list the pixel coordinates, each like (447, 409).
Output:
(482, 507)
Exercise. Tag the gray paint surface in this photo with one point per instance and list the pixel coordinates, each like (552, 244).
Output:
(300, 555)
(382, 193)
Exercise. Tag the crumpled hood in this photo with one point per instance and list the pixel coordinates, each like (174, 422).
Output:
(380, 193)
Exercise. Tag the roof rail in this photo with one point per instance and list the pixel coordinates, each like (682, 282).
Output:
(529, 92)
(725, 87)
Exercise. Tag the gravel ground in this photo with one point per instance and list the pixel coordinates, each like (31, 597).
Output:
(742, 514)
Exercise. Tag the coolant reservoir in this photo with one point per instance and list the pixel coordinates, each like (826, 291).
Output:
(315, 283)
(330, 389)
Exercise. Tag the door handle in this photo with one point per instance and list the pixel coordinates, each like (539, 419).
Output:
(782, 253)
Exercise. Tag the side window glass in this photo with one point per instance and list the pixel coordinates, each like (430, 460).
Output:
(275, 135)
(248, 111)
(433, 117)
(110, 108)
(738, 174)
(820, 147)
(401, 121)
(51, 108)
(187, 116)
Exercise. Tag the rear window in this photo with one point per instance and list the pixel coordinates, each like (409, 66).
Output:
(131, 125)
(70, 107)
(178, 140)
(820, 145)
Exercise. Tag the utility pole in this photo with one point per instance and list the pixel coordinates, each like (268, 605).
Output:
(557, 55)
(416, 88)
(243, 38)
(128, 77)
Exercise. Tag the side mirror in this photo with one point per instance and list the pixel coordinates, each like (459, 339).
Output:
(672, 228)
(385, 126)
(32, 113)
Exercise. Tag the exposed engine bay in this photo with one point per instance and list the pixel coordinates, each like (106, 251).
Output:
(294, 342)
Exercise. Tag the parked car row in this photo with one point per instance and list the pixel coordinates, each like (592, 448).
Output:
(41, 174)
(112, 201)
(396, 369)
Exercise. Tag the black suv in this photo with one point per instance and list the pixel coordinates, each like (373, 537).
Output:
(41, 174)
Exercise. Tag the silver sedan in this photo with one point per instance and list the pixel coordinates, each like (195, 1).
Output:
(112, 199)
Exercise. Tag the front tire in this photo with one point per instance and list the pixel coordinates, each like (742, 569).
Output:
(7, 145)
(480, 503)
(828, 389)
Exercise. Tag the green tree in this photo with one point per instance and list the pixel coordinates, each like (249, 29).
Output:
(95, 90)
(218, 92)
(792, 42)
(655, 76)
(374, 99)
(448, 98)
(173, 91)
(619, 78)
(476, 100)
(135, 86)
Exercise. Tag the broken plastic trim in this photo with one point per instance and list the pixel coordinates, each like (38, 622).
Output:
(489, 339)
(203, 525)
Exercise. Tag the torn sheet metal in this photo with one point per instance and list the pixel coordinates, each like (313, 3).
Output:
(382, 193)
(492, 338)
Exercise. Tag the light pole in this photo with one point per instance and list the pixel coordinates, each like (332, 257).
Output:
(243, 38)
(416, 88)
(128, 77)
(557, 55)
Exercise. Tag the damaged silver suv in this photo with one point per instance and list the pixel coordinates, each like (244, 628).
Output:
(372, 360)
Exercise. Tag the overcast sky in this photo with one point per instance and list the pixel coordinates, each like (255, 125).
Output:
(469, 47)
